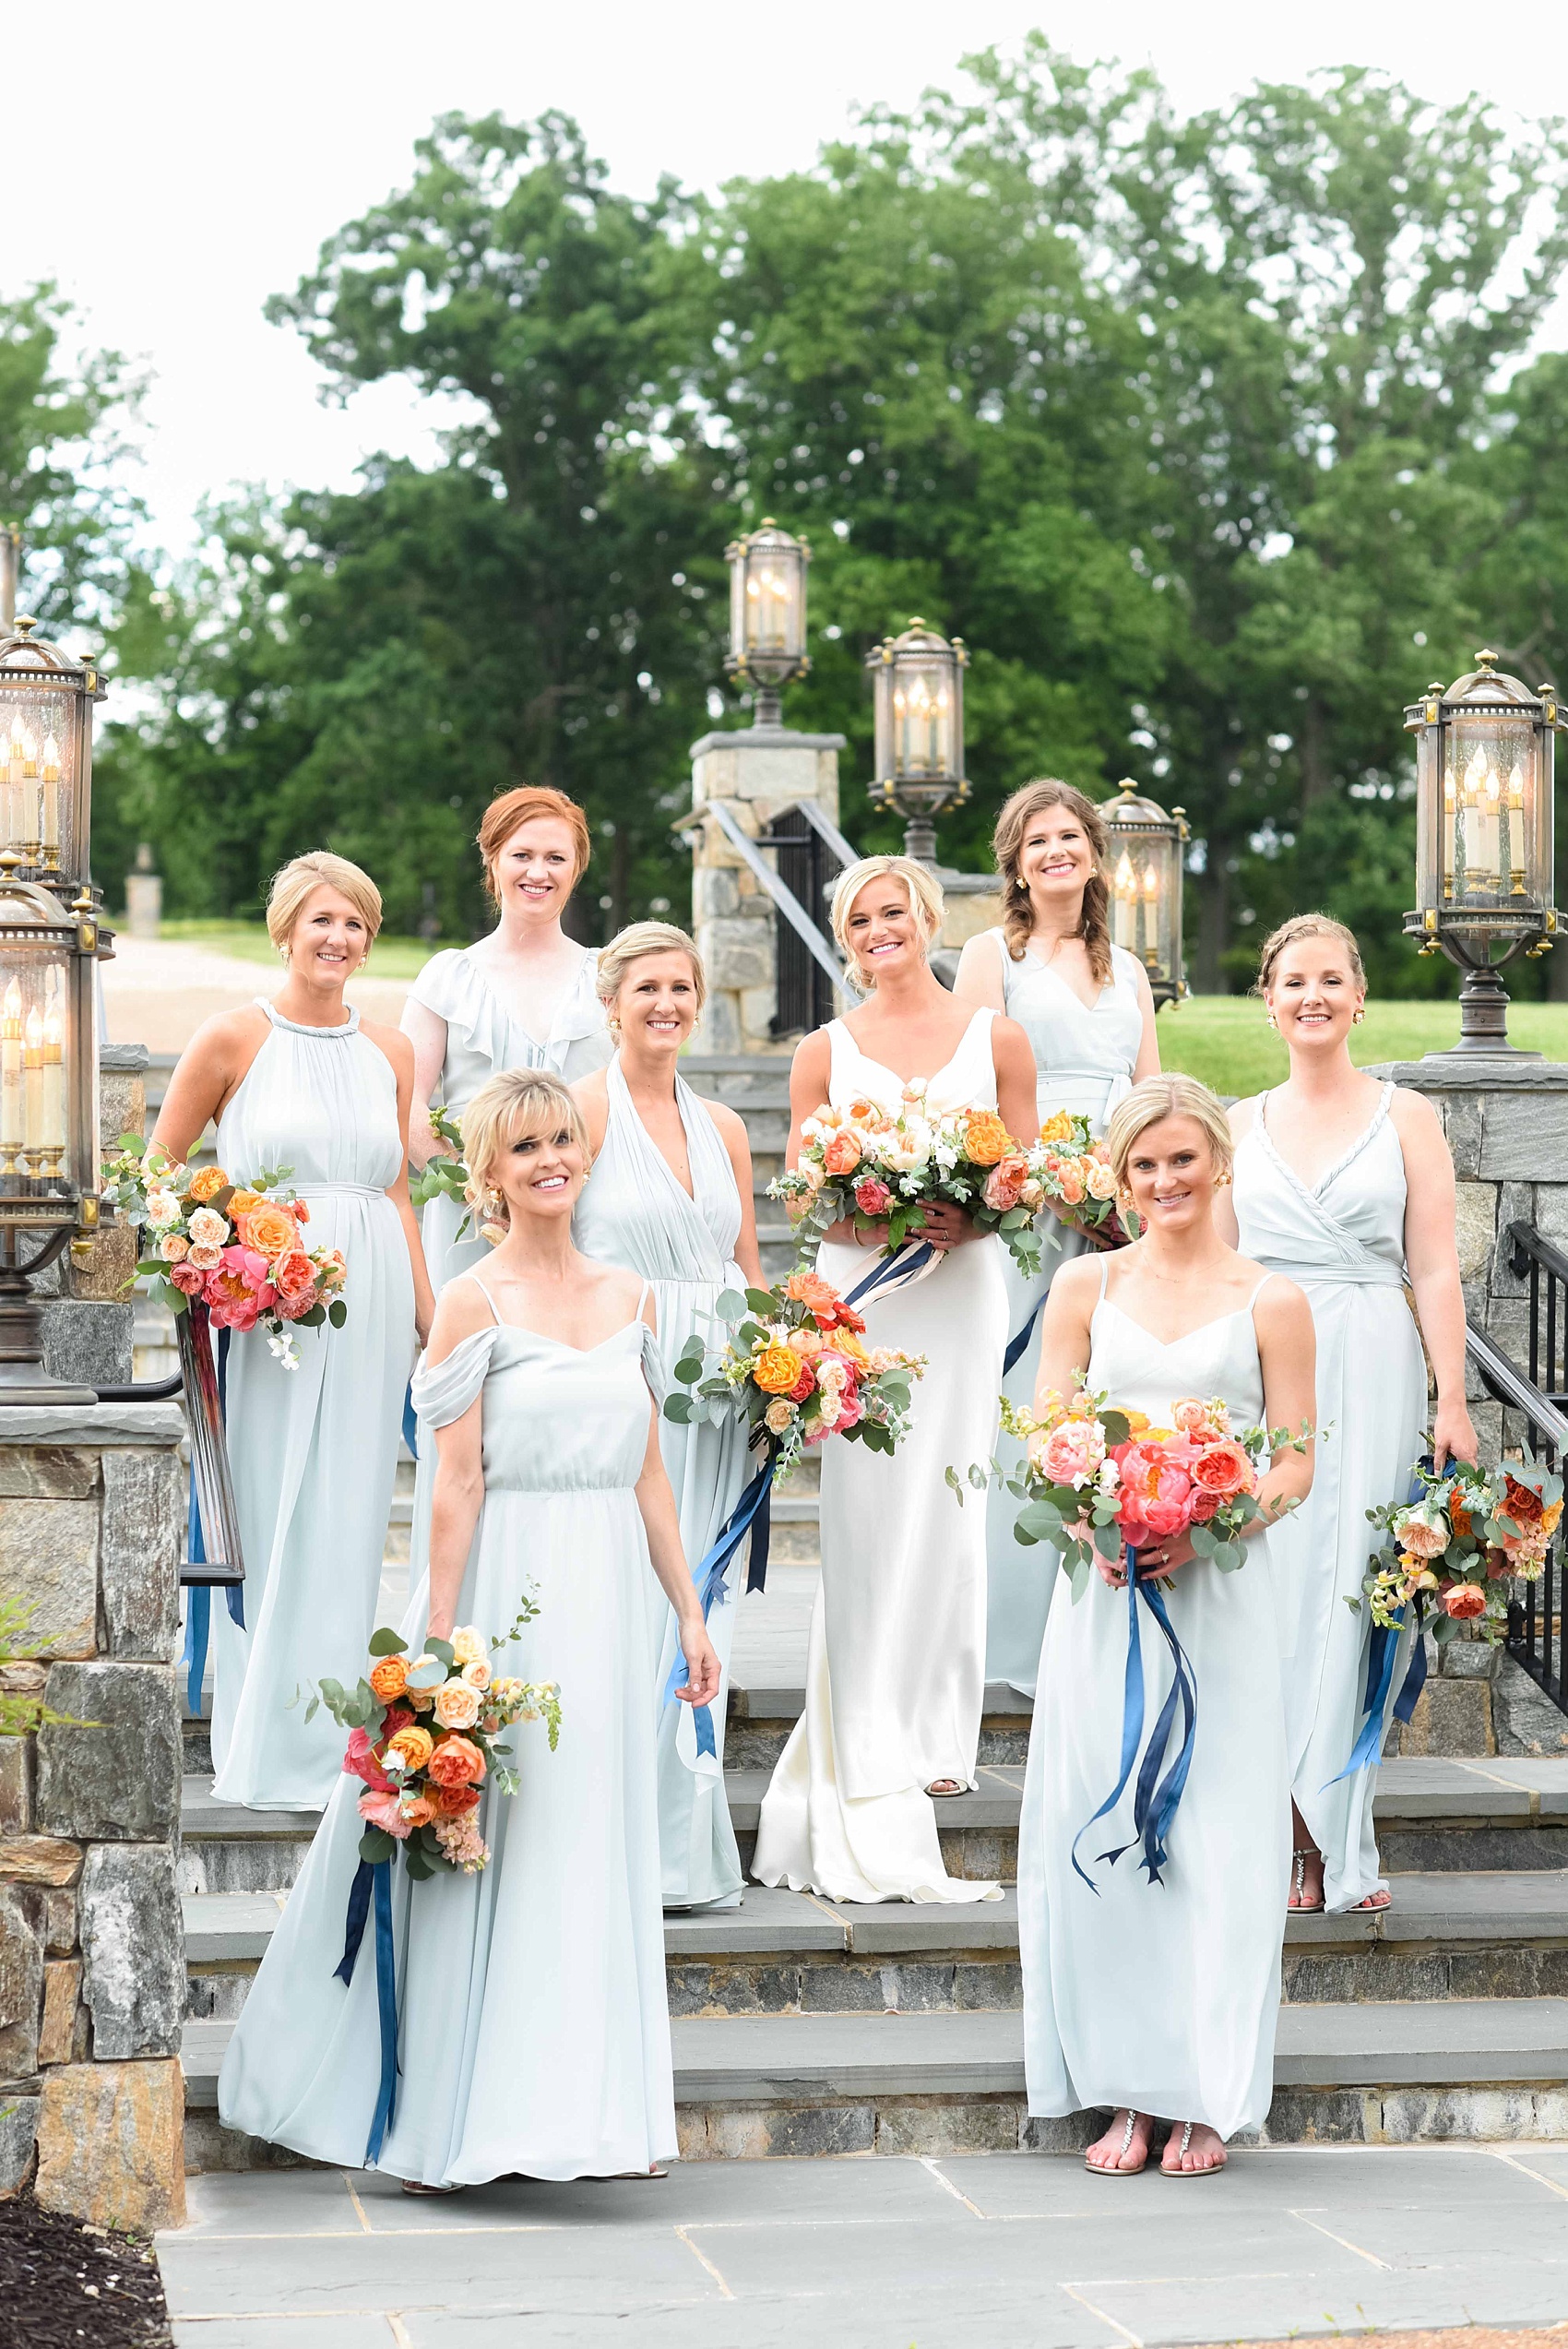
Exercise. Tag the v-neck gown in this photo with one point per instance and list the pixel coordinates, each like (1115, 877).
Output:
(896, 1660)
(634, 1212)
(1342, 1241)
(533, 2023)
(312, 1451)
(1161, 1997)
(1084, 1055)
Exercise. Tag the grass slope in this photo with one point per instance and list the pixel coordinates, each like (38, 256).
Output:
(1228, 1041)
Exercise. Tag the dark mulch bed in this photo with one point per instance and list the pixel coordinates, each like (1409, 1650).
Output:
(64, 2285)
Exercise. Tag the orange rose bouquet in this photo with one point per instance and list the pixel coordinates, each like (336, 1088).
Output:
(422, 1734)
(238, 1248)
(871, 1165)
(1073, 1171)
(1460, 1542)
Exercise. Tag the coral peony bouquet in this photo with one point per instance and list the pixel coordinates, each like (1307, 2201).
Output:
(1073, 1172)
(1461, 1542)
(797, 1363)
(1098, 1478)
(874, 1167)
(238, 1248)
(421, 1737)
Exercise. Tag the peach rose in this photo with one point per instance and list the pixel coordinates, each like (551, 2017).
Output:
(206, 1182)
(418, 1809)
(385, 1811)
(413, 1748)
(390, 1677)
(842, 1154)
(467, 1644)
(805, 1342)
(986, 1138)
(208, 1228)
(1223, 1469)
(457, 1705)
(1463, 1600)
(295, 1276)
(241, 1201)
(1191, 1415)
(1070, 1454)
(457, 1761)
(205, 1258)
(810, 1290)
(172, 1248)
(186, 1277)
(1418, 1534)
(477, 1674)
(775, 1369)
(778, 1415)
(271, 1229)
(451, 1802)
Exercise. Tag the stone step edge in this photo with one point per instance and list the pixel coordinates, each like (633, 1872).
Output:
(771, 2060)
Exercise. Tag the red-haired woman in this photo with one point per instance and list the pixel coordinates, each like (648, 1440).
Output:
(523, 997)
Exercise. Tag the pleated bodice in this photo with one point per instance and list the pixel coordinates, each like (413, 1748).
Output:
(1084, 1055)
(321, 1102)
(633, 1211)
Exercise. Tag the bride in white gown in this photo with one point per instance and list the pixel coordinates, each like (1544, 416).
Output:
(895, 1670)
(1159, 2001)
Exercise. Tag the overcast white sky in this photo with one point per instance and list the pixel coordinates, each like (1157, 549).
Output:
(212, 146)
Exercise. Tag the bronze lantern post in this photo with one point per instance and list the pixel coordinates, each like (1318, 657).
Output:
(1146, 860)
(918, 686)
(768, 616)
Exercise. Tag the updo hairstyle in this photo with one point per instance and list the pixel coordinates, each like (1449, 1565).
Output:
(921, 886)
(1168, 1096)
(630, 945)
(1307, 925)
(294, 882)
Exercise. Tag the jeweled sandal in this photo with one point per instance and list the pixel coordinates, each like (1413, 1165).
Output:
(1114, 2169)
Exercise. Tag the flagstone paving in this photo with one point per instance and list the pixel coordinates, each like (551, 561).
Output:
(962, 2253)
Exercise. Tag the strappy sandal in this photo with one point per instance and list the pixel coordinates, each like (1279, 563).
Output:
(1114, 2169)
(1210, 2169)
(1297, 1906)
(942, 1790)
(418, 2186)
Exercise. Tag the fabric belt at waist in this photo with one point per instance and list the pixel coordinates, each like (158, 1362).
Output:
(1355, 1276)
(342, 1190)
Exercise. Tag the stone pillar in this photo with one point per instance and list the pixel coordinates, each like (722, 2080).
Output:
(756, 773)
(92, 1971)
(144, 896)
(88, 1318)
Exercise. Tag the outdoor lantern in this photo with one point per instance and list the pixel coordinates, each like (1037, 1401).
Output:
(1145, 855)
(49, 1150)
(1484, 835)
(918, 681)
(767, 614)
(46, 700)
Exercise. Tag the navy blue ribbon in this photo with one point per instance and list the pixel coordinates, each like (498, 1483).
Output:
(751, 1514)
(899, 1269)
(410, 1421)
(198, 1597)
(372, 1878)
(1381, 1650)
(1155, 1800)
(1015, 1346)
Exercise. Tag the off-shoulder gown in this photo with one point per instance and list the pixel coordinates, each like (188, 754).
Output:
(633, 1211)
(534, 2029)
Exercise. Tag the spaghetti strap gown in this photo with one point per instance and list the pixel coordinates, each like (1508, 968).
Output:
(534, 2029)
(312, 1451)
(1164, 1997)
(896, 1660)
(1342, 1241)
(1084, 1062)
(634, 1212)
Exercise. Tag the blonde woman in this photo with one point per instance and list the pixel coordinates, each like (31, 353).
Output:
(671, 1199)
(303, 1082)
(1085, 1006)
(895, 1666)
(1160, 2001)
(535, 2026)
(1346, 1183)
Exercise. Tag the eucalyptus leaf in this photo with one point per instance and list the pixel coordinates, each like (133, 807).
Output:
(388, 1643)
(444, 1649)
(375, 1845)
(1108, 1540)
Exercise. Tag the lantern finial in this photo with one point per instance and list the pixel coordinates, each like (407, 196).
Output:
(1485, 659)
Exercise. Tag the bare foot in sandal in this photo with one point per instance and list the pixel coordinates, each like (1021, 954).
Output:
(1125, 2147)
(1193, 2151)
(945, 1786)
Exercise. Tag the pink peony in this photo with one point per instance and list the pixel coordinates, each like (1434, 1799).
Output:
(361, 1761)
(1165, 1516)
(872, 1195)
(385, 1811)
(851, 1411)
(187, 1277)
(1004, 1184)
(1072, 1453)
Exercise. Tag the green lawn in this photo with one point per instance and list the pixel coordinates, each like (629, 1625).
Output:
(1227, 1041)
(390, 958)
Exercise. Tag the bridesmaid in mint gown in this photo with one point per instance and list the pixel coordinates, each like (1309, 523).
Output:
(1085, 1006)
(304, 1083)
(671, 1199)
(534, 2032)
(1345, 1184)
(1160, 2001)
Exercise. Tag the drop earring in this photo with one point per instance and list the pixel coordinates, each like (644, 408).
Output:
(491, 1226)
(1356, 1019)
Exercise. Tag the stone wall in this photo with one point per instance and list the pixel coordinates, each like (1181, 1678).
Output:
(88, 1321)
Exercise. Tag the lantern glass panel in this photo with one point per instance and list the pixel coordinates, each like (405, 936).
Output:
(922, 726)
(1431, 829)
(767, 602)
(38, 1018)
(1143, 894)
(1490, 811)
(39, 752)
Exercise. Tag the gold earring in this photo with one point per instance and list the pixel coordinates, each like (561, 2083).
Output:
(1272, 1021)
(492, 1207)
(1356, 1020)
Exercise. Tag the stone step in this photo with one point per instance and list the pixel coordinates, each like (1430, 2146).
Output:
(948, 2082)
(1461, 1936)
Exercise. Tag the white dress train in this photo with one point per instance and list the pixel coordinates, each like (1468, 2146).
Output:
(634, 1212)
(312, 1451)
(895, 1670)
(1163, 1997)
(1342, 1241)
(1083, 1061)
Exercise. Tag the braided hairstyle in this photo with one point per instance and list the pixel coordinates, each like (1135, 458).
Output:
(1007, 846)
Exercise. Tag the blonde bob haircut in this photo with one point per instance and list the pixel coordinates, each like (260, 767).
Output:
(292, 886)
(519, 1105)
(920, 886)
(630, 945)
(1172, 1096)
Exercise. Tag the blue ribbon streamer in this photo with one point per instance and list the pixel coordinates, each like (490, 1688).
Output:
(410, 1421)
(751, 1514)
(896, 1271)
(1155, 1805)
(373, 1879)
(1016, 1346)
(198, 1598)
(1381, 1650)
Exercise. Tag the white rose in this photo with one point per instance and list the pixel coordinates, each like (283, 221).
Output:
(207, 1229)
(1100, 1180)
(163, 1209)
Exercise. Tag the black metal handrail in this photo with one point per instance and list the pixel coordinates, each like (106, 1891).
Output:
(1535, 1622)
(1535, 1260)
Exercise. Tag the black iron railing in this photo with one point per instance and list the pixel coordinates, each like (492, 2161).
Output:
(1534, 1402)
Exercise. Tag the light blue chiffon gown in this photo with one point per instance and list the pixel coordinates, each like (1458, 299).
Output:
(312, 1451)
(634, 1212)
(1161, 1997)
(1084, 1062)
(1342, 1241)
(534, 2028)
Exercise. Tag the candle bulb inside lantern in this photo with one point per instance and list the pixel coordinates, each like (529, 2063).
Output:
(1511, 865)
(15, 760)
(900, 730)
(26, 798)
(10, 1075)
(1151, 910)
(1450, 821)
(32, 1087)
(52, 1136)
(50, 768)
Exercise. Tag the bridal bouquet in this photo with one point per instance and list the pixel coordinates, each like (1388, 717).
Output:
(421, 1737)
(876, 1166)
(1095, 1477)
(798, 1365)
(1074, 1173)
(238, 1248)
(1466, 1536)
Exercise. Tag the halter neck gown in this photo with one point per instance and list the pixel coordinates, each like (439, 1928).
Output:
(1161, 1997)
(1342, 1240)
(312, 1451)
(534, 2027)
(895, 1668)
(633, 1211)
(1085, 1057)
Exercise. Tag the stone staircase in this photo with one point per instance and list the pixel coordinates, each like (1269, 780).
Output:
(758, 1087)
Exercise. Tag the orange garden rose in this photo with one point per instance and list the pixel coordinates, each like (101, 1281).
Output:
(819, 1296)
(842, 1154)
(390, 1677)
(271, 1231)
(457, 1761)
(1223, 1469)
(1463, 1600)
(853, 1348)
(419, 1810)
(241, 1201)
(1058, 1128)
(207, 1183)
(412, 1747)
(452, 1802)
(986, 1137)
(775, 1369)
